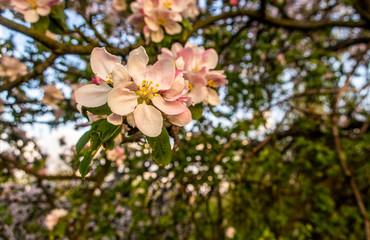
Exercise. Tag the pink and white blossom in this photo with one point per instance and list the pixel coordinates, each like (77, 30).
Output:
(53, 217)
(145, 100)
(117, 154)
(197, 65)
(11, 68)
(142, 93)
(156, 17)
(33, 9)
(52, 95)
(119, 5)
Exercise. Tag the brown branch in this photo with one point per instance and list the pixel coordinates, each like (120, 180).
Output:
(37, 70)
(347, 43)
(302, 25)
(60, 48)
(259, 147)
(345, 169)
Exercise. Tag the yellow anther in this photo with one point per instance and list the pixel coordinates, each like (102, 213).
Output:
(155, 90)
(32, 3)
(167, 4)
(109, 82)
(161, 21)
(150, 82)
(211, 83)
(151, 96)
(190, 86)
(156, 95)
(157, 85)
(138, 86)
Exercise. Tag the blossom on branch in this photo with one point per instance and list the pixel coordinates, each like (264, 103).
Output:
(142, 93)
(155, 15)
(33, 9)
(11, 68)
(53, 217)
(197, 65)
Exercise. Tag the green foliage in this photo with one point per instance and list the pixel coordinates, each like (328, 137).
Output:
(161, 148)
(196, 111)
(100, 135)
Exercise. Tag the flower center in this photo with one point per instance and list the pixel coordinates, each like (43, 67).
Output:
(190, 86)
(146, 90)
(211, 83)
(109, 79)
(160, 21)
(32, 3)
(167, 4)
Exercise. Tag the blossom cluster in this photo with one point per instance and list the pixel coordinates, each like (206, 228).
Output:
(154, 15)
(198, 65)
(146, 94)
(33, 9)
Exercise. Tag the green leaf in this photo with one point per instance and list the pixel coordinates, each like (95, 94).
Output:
(57, 11)
(161, 148)
(42, 25)
(109, 132)
(82, 141)
(101, 133)
(101, 110)
(196, 111)
(85, 164)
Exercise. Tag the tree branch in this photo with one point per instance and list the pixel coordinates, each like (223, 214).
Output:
(345, 169)
(60, 48)
(38, 69)
(279, 22)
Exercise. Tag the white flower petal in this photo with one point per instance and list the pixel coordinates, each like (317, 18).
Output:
(157, 36)
(130, 119)
(102, 62)
(114, 119)
(181, 119)
(120, 74)
(122, 101)
(148, 120)
(162, 73)
(212, 97)
(172, 28)
(170, 108)
(43, 10)
(92, 95)
(31, 16)
(136, 64)
(151, 23)
(210, 58)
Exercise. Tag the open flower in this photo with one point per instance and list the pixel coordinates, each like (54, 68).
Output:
(158, 16)
(197, 65)
(145, 100)
(162, 17)
(109, 71)
(33, 9)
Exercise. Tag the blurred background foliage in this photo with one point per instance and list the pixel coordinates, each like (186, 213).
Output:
(285, 156)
